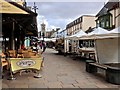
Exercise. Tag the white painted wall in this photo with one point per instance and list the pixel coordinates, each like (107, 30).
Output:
(88, 21)
(116, 17)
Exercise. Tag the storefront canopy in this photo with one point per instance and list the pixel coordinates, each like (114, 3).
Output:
(24, 19)
(8, 8)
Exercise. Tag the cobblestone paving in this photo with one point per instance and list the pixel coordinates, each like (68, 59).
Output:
(59, 72)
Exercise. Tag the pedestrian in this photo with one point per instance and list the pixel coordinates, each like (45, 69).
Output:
(22, 46)
(38, 47)
(35, 49)
(41, 44)
(44, 47)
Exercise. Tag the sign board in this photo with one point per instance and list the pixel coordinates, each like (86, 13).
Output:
(25, 63)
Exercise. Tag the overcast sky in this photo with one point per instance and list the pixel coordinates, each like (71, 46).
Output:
(59, 14)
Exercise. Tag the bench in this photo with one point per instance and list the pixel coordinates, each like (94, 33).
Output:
(112, 73)
(91, 66)
(99, 65)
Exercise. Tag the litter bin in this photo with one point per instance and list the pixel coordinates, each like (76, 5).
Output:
(90, 68)
(113, 75)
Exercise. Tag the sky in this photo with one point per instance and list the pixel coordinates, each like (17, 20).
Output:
(59, 14)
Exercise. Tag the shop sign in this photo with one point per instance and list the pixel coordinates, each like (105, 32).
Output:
(26, 63)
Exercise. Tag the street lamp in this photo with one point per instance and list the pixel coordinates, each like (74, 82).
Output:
(57, 29)
(34, 7)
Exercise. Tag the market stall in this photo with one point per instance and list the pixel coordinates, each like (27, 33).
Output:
(89, 42)
(107, 48)
(74, 43)
(106, 44)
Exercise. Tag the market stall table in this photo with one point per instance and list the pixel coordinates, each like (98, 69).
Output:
(30, 63)
(88, 52)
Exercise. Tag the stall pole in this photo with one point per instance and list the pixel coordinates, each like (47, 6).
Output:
(96, 54)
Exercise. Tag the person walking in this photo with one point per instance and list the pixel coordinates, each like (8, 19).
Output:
(44, 47)
(41, 44)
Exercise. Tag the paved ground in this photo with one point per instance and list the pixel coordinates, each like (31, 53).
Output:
(59, 72)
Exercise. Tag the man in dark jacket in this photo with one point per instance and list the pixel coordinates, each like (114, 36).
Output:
(44, 47)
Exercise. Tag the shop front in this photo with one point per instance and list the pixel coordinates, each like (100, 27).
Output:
(18, 22)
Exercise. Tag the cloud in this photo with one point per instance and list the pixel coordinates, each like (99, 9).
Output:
(42, 19)
(59, 14)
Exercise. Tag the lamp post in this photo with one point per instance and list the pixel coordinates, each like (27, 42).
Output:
(57, 29)
(35, 7)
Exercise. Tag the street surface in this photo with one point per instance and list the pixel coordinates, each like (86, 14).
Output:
(59, 72)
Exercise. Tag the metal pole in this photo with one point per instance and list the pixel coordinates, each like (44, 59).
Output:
(96, 53)
(0, 67)
(13, 39)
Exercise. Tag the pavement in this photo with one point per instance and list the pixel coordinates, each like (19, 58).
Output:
(59, 72)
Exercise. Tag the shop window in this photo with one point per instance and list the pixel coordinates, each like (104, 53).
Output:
(102, 24)
(107, 23)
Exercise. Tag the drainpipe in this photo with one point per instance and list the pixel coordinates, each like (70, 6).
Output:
(114, 17)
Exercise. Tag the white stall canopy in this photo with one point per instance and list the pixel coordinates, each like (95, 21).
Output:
(107, 46)
(77, 35)
(97, 31)
(48, 39)
(115, 33)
